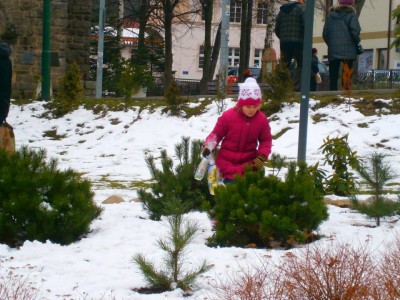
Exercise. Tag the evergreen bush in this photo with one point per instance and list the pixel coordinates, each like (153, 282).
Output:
(281, 88)
(174, 99)
(175, 182)
(267, 211)
(39, 202)
(377, 173)
(71, 87)
(181, 233)
(339, 156)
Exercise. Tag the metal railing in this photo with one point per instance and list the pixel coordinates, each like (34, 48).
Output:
(186, 87)
(373, 79)
(378, 79)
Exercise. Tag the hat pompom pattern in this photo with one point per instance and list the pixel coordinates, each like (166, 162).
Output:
(346, 2)
(249, 93)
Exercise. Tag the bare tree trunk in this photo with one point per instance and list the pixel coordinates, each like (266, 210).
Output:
(168, 15)
(268, 41)
(359, 4)
(207, 74)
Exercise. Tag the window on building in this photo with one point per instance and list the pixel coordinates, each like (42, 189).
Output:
(258, 57)
(262, 13)
(236, 11)
(382, 58)
(233, 56)
(201, 56)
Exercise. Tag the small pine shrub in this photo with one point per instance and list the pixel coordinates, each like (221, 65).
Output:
(268, 211)
(281, 88)
(175, 182)
(39, 202)
(181, 234)
(339, 156)
(376, 173)
(71, 87)
(173, 98)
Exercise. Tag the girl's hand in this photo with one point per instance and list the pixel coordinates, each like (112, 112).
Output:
(205, 152)
(258, 162)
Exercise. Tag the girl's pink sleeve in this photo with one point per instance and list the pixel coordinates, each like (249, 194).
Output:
(216, 135)
(265, 141)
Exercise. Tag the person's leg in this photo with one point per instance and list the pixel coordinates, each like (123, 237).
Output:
(286, 57)
(313, 83)
(297, 54)
(334, 66)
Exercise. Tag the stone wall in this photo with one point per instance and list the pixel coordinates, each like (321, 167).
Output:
(70, 23)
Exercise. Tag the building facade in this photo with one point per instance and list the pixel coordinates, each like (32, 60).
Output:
(377, 27)
(188, 44)
(377, 33)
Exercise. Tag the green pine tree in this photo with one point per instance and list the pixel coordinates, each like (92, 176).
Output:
(267, 210)
(178, 181)
(40, 202)
(181, 234)
(377, 173)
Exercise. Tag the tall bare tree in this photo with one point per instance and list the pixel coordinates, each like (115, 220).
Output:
(168, 12)
(245, 36)
(208, 6)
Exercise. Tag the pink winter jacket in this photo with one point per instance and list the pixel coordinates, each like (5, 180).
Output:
(242, 139)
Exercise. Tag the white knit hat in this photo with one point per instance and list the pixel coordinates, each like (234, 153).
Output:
(249, 93)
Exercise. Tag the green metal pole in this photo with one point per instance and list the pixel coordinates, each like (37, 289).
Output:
(46, 51)
(305, 80)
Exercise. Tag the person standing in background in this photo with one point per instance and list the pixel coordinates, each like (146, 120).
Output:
(341, 34)
(5, 80)
(314, 69)
(289, 28)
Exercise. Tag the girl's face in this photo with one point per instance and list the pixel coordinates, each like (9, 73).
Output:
(250, 110)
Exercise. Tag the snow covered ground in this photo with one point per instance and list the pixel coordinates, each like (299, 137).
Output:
(114, 146)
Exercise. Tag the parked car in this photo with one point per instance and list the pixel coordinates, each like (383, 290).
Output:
(233, 73)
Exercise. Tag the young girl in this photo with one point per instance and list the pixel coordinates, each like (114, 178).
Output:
(244, 134)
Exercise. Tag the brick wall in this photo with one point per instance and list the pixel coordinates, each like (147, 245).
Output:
(70, 23)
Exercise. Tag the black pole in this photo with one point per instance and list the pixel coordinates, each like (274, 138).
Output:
(46, 51)
(305, 80)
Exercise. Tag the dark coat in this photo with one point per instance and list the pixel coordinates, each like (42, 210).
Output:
(341, 33)
(289, 24)
(314, 65)
(5, 80)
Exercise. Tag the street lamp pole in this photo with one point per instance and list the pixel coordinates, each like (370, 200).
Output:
(100, 51)
(305, 80)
